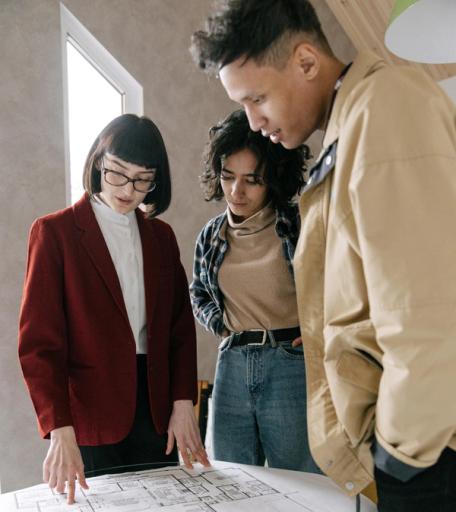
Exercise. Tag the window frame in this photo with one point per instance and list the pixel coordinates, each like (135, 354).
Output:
(73, 32)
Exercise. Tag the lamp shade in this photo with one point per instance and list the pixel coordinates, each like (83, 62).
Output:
(423, 30)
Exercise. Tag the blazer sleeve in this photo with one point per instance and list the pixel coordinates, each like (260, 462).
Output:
(205, 309)
(42, 330)
(183, 362)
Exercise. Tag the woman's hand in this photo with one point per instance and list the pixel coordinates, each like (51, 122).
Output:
(63, 463)
(184, 429)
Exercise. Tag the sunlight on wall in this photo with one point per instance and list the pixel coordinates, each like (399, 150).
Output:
(92, 103)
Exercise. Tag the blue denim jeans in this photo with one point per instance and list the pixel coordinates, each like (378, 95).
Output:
(259, 407)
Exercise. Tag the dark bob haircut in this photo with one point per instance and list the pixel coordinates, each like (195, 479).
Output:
(262, 30)
(283, 168)
(138, 141)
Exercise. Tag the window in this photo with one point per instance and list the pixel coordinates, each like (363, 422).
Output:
(96, 89)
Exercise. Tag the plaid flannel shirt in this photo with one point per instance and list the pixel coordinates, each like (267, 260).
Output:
(211, 246)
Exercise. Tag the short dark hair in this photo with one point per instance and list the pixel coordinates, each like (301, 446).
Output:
(283, 168)
(136, 140)
(255, 29)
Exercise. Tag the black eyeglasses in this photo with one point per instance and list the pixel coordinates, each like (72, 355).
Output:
(118, 179)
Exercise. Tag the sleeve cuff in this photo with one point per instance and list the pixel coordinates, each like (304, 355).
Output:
(392, 466)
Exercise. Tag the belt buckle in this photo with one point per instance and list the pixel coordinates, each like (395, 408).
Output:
(263, 341)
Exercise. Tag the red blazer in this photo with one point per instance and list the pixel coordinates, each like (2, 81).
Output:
(76, 347)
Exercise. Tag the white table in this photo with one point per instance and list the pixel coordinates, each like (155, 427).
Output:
(225, 487)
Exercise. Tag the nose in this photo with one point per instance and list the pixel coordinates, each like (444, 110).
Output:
(237, 189)
(256, 120)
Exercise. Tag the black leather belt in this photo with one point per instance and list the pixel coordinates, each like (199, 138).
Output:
(261, 337)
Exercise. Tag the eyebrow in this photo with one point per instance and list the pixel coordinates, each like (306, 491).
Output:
(224, 169)
(114, 161)
(250, 96)
(247, 97)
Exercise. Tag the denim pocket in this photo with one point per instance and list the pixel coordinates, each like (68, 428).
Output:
(290, 352)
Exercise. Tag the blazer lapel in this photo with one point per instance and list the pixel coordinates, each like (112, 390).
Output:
(152, 262)
(93, 242)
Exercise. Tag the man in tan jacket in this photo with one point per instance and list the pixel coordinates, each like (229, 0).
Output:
(375, 265)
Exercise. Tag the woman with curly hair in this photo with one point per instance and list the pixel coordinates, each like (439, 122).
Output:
(243, 292)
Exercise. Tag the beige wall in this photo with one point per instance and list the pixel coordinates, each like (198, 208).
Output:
(150, 39)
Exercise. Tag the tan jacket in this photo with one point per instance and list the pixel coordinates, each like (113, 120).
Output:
(375, 273)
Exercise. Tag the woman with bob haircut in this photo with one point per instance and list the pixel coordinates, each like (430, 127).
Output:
(107, 338)
(243, 291)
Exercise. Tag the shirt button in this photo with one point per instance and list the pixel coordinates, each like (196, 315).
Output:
(349, 486)
(328, 160)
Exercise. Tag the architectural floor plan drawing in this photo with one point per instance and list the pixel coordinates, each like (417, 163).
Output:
(222, 488)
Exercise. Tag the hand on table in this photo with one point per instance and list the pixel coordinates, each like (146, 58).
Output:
(63, 463)
(183, 429)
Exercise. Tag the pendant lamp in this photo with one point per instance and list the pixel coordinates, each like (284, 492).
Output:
(423, 31)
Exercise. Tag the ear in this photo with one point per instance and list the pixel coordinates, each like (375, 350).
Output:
(307, 60)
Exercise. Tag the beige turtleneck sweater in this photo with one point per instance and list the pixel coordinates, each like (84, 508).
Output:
(257, 287)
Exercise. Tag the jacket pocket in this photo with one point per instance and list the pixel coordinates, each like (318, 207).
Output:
(353, 376)
(359, 370)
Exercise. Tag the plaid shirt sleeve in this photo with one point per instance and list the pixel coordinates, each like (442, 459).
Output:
(205, 306)
(287, 227)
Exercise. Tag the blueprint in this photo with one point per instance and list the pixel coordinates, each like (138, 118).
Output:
(222, 488)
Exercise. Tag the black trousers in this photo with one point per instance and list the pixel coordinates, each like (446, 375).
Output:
(432, 490)
(142, 449)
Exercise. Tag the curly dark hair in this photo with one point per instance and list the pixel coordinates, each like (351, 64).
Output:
(283, 168)
(255, 29)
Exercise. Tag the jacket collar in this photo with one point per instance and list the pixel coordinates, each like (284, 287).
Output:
(93, 242)
(364, 64)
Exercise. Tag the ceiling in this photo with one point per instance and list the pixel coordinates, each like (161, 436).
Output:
(365, 22)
